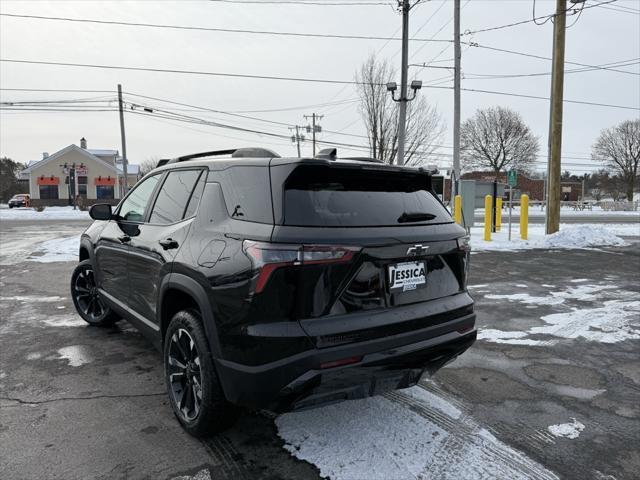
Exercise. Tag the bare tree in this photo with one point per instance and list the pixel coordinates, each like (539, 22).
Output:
(619, 149)
(424, 128)
(147, 165)
(497, 138)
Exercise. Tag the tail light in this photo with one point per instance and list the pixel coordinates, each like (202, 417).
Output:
(464, 245)
(267, 257)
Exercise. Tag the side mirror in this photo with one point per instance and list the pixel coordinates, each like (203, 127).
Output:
(100, 211)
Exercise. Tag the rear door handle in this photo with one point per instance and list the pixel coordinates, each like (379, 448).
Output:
(168, 243)
(124, 239)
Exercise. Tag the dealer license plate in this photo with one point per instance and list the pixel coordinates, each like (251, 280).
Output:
(407, 276)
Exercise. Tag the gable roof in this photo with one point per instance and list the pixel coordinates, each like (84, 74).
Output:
(102, 152)
(65, 150)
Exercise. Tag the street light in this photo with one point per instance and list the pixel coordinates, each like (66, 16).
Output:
(415, 86)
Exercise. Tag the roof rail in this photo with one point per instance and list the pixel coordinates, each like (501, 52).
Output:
(162, 161)
(250, 152)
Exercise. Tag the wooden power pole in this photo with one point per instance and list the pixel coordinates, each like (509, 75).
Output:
(124, 142)
(557, 90)
(456, 100)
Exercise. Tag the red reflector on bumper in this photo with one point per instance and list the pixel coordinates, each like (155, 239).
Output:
(342, 361)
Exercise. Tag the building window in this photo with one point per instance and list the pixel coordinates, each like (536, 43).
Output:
(82, 180)
(49, 192)
(103, 192)
(82, 190)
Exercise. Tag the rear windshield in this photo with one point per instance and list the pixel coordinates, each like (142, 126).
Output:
(343, 197)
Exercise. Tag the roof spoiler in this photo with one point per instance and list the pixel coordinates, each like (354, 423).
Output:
(332, 154)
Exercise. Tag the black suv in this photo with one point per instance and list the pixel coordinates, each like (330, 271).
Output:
(280, 283)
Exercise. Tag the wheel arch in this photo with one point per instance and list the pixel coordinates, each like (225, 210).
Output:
(85, 252)
(178, 292)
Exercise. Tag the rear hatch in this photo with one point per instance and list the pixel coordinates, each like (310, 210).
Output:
(395, 250)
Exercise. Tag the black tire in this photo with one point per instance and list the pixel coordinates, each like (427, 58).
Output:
(192, 383)
(86, 298)
(10, 206)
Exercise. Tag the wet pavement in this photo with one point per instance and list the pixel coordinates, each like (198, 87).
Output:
(550, 390)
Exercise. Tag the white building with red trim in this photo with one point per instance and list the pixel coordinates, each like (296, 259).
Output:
(99, 176)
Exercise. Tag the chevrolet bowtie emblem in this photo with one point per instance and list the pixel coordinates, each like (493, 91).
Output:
(416, 250)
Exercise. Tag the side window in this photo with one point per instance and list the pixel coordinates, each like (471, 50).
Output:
(194, 201)
(134, 207)
(247, 193)
(174, 196)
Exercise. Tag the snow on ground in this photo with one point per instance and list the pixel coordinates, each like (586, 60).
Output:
(568, 430)
(47, 246)
(76, 355)
(409, 434)
(615, 318)
(535, 211)
(56, 250)
(569, 236)
(49, 213)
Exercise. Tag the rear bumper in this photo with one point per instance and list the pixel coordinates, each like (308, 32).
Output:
(388, 363)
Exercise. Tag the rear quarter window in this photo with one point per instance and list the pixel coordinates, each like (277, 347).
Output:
(323, 196)
(247, 193)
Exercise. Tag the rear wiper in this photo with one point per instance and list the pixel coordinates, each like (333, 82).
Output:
(407, 217)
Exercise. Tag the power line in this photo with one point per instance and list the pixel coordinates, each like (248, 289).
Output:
(168, 115)
(521, 95)
(540, 57)
(222, 30)
(480, 76)
(273, 77)
(303, 2)
(55, 90)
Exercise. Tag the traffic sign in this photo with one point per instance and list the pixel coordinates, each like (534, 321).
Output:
(512, 178)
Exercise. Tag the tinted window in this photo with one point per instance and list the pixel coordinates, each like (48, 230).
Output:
(174, 196)
(194, 201)
(247, 193)
(324, 196)
(134, 206)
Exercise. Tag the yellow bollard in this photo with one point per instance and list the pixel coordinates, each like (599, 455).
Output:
(524, 217)
(457, 209)
(488, 201)
(498, 213)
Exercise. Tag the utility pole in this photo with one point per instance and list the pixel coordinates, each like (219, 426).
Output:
(557, 90)
(456, 99)
(402, 118)
(124, 142)
(313, 128)
(297, 138)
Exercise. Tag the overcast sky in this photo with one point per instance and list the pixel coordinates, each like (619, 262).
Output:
(600, 36)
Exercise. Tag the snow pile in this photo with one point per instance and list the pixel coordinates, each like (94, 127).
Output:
(582, 236)
(49, 213)
(57, 250)
(410, 434)
(568, 430)
(569, 236)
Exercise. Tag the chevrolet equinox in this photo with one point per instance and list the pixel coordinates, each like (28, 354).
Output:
(280, 283)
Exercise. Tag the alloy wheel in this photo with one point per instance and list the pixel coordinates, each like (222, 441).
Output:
(86, 295)
(184, 373)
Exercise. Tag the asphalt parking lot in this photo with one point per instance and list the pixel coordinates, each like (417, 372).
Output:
(551, 390)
